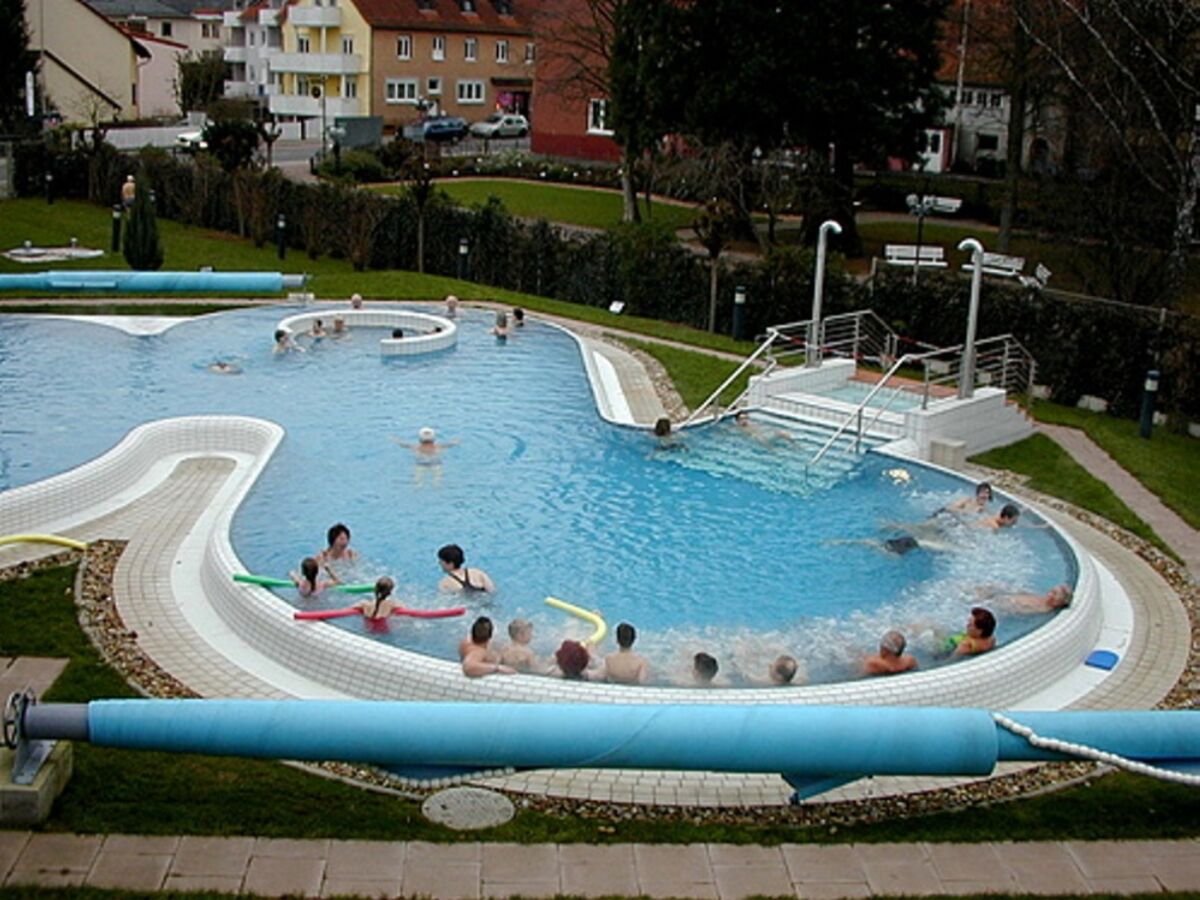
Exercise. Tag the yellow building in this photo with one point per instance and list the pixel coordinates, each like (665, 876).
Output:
(89, 66)
(325, 64)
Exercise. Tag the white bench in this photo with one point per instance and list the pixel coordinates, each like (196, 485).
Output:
(1039, 279)
(912, 255)
(999, 264)
(945, 205)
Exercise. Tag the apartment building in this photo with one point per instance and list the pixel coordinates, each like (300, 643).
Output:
(253, 33)
(465, 58)
(323, 69)
(196, 24)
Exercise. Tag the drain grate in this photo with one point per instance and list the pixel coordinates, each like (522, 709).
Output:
(468, 808)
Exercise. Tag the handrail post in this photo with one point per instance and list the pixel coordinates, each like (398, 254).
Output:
(858, 437)
(814, 326)
(1004, 367)
(857, 333)
(925, 393)
(966, 375)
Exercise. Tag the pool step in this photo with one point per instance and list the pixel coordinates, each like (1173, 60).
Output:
(832, 413)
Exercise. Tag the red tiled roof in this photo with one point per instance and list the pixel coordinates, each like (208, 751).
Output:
(446, 15)
(989, 42)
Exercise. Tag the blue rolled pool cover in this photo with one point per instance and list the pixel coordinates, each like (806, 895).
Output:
(152, 282)
(825, 740)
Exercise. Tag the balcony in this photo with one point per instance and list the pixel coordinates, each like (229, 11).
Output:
(317, 63)
(238, 89)
(232, 18)
(310, 108)
(268, 18)
(235, 54)
(315, 17)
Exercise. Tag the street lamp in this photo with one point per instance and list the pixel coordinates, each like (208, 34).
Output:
(338, 133)
(116, 228)
(464, 248)
(920, 206)
(281, 236)
(966, 373)
(739, 313)
(814, 326)
(319, 94)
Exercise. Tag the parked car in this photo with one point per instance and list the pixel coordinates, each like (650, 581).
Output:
(501, 125)
(191, 141)
(445, 128)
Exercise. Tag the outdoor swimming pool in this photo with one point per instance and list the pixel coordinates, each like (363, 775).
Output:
(723, 547)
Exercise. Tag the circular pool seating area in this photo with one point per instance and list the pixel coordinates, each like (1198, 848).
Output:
(423, 338)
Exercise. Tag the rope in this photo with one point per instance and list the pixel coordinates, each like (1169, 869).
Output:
(1085, 752)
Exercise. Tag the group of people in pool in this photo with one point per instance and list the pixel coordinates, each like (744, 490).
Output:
(979, 635)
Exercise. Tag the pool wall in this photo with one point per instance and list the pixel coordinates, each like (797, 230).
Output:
(383, 318)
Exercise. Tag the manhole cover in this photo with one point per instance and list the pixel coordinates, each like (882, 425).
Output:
(468, 808)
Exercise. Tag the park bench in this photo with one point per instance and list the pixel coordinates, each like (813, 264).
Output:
(947, 206)
(1000, 265)
(925, 256)
(1041, 275)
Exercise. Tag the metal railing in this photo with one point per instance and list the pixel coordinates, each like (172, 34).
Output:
(861, 336)
(771, 338)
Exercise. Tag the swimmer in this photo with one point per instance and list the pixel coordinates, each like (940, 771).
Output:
(427, 448)
(381, 605)
(518, 654)
(458, 578)
(1022, 603)
(891, 658)
(898, 545)
(1006, 518)
(317, 330)
(451, 306)
(978, 638)
(500, 329)
(625, 666)
(765, 436)
(665, 439)
(284, 342)
(478, 659)
(397, 334)
(338, 549)
(704, 670)
(356, 301)
(221, 367)
(518, 315)
(339, 326)
(571, 659)
(783, 670)
(976, 503)
(308, 581)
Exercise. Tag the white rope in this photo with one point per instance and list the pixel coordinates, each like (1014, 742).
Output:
(1086, 752)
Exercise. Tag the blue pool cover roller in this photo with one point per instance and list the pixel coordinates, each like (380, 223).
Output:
(153, 282)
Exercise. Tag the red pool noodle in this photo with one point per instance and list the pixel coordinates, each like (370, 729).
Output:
(320, 614)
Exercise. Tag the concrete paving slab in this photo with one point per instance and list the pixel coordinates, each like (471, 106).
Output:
(277, 876)
(823, 863)
(1178, 873)
(283, 848)
(11, 845)
(589, 870)
(744, 855)
(966, 862)
(442, 880)
(658, 864)
(679, 890)
(738, 881)
(832, 890)
(516, 863)
(503, 889)
(129, 871)
(1108, 859)
(903, 878)
(62, 854)
(359, 887)
(365, 860)
(216, 856)
(1144, 884)
(226, 884)
(134, 844)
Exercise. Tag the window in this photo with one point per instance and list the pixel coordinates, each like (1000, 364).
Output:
(598, 117)
(470, 91)
(404, 46)
(471, 49)
(467, 6)
(997, 101)
(439, 47)
(347, 46)
(988, 143)
(251, 74)
(166, 29)
(981, 99)
(433, 85)
(349, 88)
(210, 30)
(501, 51)
(530, 52)
(933, 142)
(302, 45)
(400, 90)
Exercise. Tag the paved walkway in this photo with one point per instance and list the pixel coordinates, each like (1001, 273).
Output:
(274, 867)
(1176, 533)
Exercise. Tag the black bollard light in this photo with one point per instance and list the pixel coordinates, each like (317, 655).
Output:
(1149, 393)
(49, 189)
(739, 313)
(281, 236)
(464, 249)
(116, 228)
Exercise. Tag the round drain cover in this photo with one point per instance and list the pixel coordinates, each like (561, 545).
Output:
(468, 808)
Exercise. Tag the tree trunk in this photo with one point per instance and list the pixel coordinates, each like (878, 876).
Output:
(629, 211)
(714, 263)
(843, 170)
(1185, 220)
(1018, 93)
(421, 242)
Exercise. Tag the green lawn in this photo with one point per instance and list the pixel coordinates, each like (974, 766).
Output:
(587, 207)
(191, 248)
(695, 375)
(137, 792)
(1167, 464)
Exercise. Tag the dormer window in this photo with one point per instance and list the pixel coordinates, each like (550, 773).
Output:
(467, 6)
(424, 4)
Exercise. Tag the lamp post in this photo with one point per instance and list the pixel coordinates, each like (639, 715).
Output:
(49, 189)
(920, 207)
(739, 313)
(338, 133)
(318, 93)
(1146, 425)
(281, 236)
(814, 327)
(966, 372)
(464, 248)
(116, 228)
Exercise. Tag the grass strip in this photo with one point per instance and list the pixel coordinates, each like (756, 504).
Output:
(695, 375)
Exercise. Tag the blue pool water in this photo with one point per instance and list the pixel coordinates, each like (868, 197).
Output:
(726, 546)
(856, 392)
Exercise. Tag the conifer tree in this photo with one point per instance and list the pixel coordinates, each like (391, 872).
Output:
(143, 249)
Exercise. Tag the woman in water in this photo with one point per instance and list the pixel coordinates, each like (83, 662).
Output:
(500, 329)
(308, 580)
(338, 552)
(381, 605)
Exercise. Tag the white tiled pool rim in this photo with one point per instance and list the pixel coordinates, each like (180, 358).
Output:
(427, 341)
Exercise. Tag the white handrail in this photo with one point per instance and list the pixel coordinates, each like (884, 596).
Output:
(772, 334)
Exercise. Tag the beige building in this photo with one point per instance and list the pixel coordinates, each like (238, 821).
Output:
(197, 24)
(89, 66)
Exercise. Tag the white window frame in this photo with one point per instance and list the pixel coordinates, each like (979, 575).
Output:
(530, 52)
(438, 50)
(501, 52)
(400, 91)
(303, 45)
(469, 91)
(350, 88)
(404, 46)
(997, 100)
(471, 49)
(597, 116)
(433, 85)
(347, 44)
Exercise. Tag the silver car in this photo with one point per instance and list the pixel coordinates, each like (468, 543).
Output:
(501, 125)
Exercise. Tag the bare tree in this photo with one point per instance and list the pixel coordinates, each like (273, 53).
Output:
(1132, 64)
(714, 227)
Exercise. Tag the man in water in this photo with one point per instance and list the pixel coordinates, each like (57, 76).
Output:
(976, 503)
(625, 666)
(458, 578)
(704, 669)
(1006, 518)
(518, 654)
(1022, 603)
(478, 659)
(979, 636)
(765, 436)
(783, 670)
(891, 658)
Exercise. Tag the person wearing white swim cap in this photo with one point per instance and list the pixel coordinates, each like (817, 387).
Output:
(428, 452)
(426, 435)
